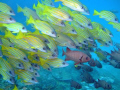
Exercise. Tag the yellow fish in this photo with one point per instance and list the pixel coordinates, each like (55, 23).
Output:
(76, 25)
(52, 45)
(14, 53)
(26, 76)
(105, 37)
(6, 42)
(19, 43)
(48, 3)
(109, 32)
(53, 20)
(40, 36)
(28, 12)
(115, 25)
(35, 42)
(64, 40)
(107, 15)
(43, 26)
(84, 33)
(5, 66)
(15, 27)
(73, 4)
(35, 66)
(5, 18)
(68, 29)
(7, 77)
(16, 63)
(57, 63)
(27, 66)
(81, 19)
(6, 9)
(36, 74)
(96, 25)
(46, 55)
(58, 13)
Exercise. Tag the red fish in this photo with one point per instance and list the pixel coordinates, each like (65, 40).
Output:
(76, 56)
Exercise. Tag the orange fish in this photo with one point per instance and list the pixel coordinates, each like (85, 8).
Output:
(76, 56)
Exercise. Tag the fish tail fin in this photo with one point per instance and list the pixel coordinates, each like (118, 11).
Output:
(57, 0)
(3, 47)
(8, 34)
(110, 23)
(63, 52)
(96, 12)
(19, 35)
(19, 9)
(70, 12)
(30, 20)
(34, 7)
(59, 6)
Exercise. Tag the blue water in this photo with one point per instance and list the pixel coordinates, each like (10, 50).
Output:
(107, 72)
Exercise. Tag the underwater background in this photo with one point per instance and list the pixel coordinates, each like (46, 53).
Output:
(59, 78)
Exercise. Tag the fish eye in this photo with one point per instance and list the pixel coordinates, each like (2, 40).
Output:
(23, 28)
(11, 19)
(32, 64)
(86, 58)
(10, 72)
(109, 41)
(84, 41)
(19, 65)
(44, 48)
(73, 30)
(25, 58)
(11, 11)
(49, 69)
(89, 24)
(103, 29)
(106, 44)
(89, 37)
(53, 32)
(45, 41)
(35, 65)
(55, 50)
(53, 55)
(70, 18)
(35, 73)
(82, 7)
(30, 68)
(32, 79)
(63, 63)
(62, 23)
(116, 19)
(37, 57)
(10, 45)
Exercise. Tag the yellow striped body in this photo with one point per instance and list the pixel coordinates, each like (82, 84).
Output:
(6, 9)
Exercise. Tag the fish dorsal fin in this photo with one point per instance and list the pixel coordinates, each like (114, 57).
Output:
(68, 50)
(8, 34)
